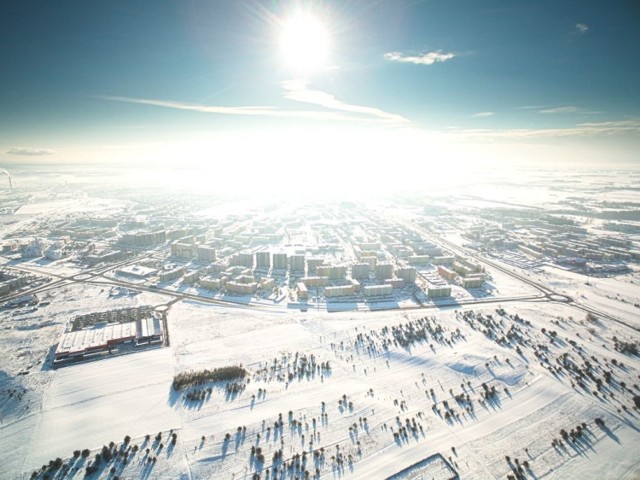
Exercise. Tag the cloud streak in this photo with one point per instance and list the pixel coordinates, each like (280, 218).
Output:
(299, 91)
(30, 152)
(616, 127)
(296, 90)
(427, 58)
(568, 109)
(483, 114)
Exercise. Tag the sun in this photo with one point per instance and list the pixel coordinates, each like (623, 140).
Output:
(304, 43)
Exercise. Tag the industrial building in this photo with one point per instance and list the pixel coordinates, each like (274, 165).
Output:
(84, 335)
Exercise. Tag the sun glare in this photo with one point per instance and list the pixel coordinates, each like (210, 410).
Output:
(304, 43)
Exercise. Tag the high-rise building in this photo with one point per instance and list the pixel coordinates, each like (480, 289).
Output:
(206, 254)
(334, 272)
(313, 264)
(263, 260)
(279, 261)
(242, 260)
(296, 263)
(360, 270)
(408, 274)
(384, 271)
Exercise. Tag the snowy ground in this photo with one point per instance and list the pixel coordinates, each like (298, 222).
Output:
(89, 405)
(618, 295)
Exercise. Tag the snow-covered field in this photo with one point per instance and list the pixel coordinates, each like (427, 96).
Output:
(380, 383)
(619, 295)
(528, 387)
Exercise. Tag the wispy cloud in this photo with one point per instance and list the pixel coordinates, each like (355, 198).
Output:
(299, 91)
(616, 127)
(568, 109)
(580, 28)
(427, 58)
(294, 91)
(33, 152)
(483, 114)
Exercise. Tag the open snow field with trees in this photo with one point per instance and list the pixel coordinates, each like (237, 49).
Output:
(524, 390)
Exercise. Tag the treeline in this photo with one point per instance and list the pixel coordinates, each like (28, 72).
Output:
(222, 374)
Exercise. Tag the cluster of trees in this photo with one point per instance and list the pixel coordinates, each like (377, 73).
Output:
(343, 402)
(403, 430)
(256, 453)
(50, 470)
(296, 465)
(574, 434)
(517, 468)
(58, 469)
(11, 392)
(488, 393)
(194, 378)
(417, 331)
(233, 388)
(286, 370)
(199, 395)
(630, 348)
(494, 329)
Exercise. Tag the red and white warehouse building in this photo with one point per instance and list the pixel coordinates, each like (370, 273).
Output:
(104, 336)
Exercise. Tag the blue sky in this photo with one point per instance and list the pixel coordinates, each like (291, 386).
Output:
(538, 81)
